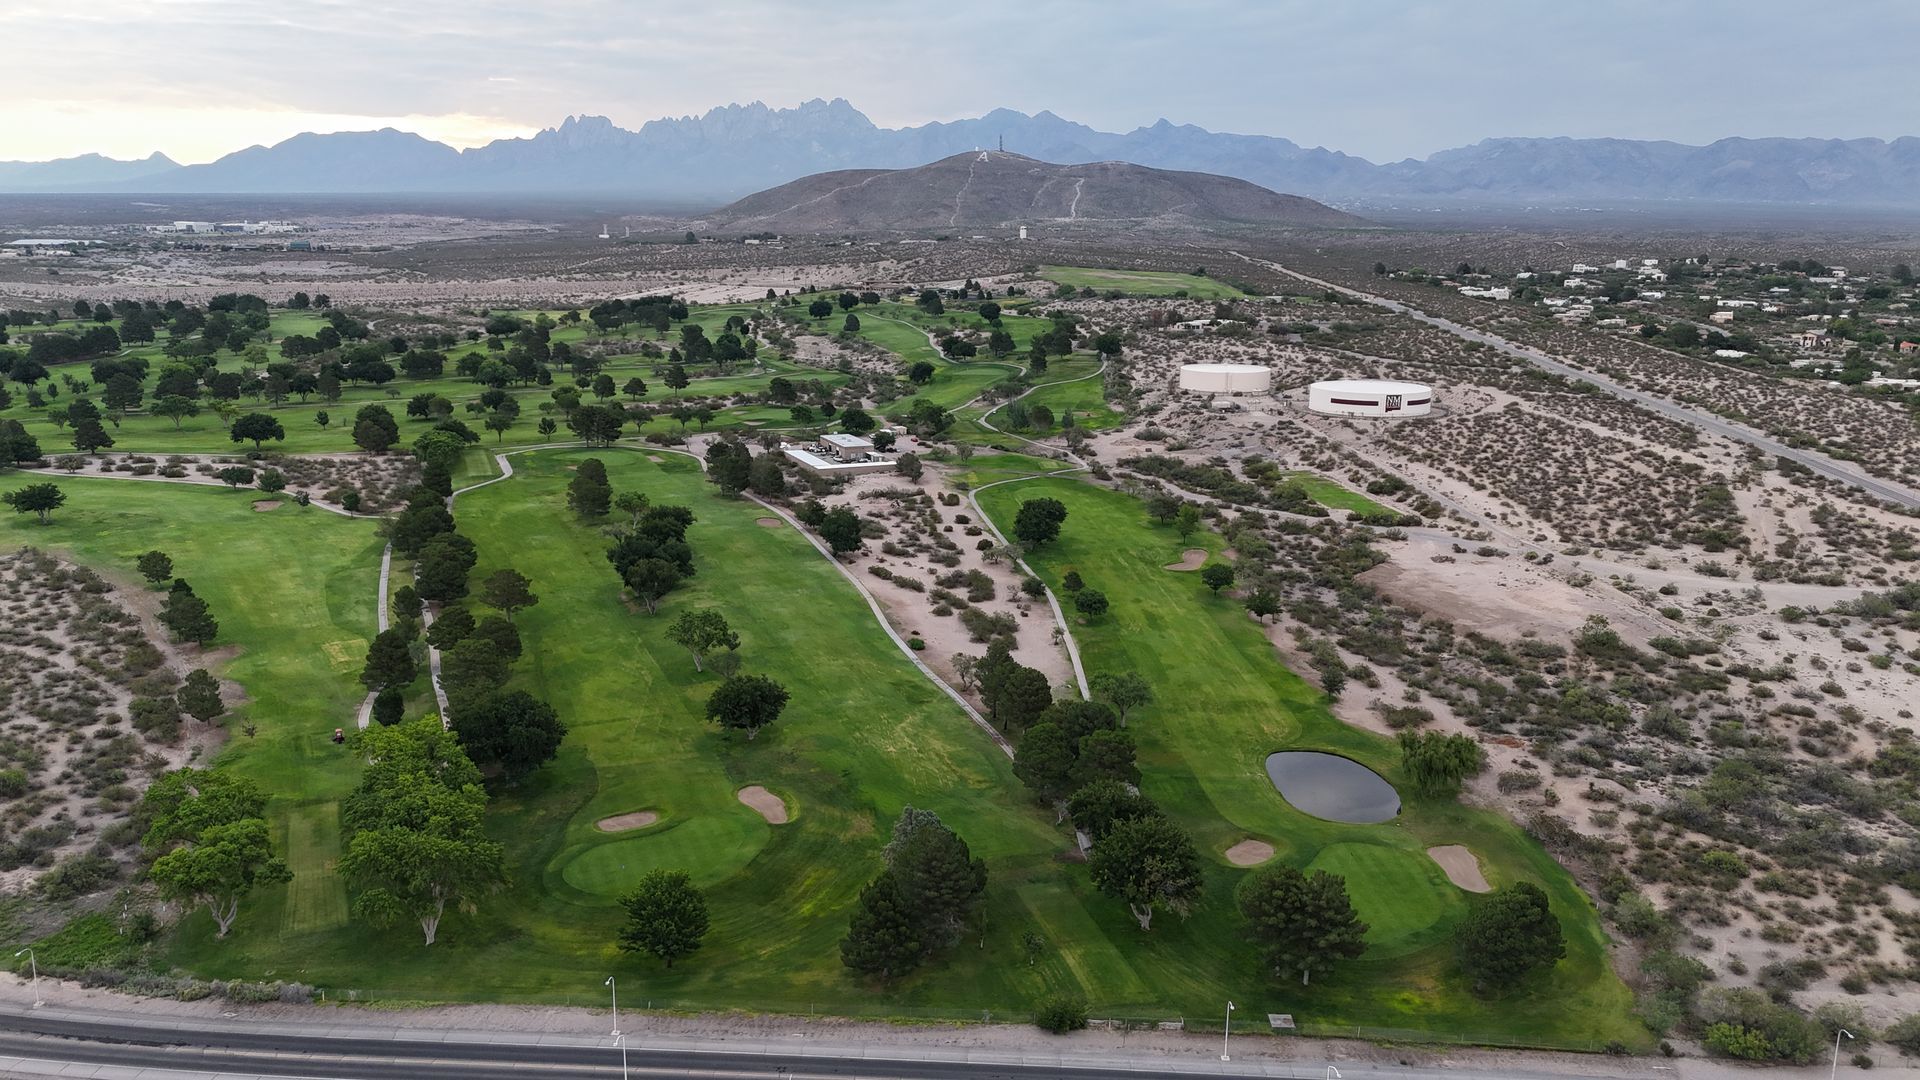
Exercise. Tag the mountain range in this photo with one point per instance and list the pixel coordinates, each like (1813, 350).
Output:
(737, 149)
(984, 188)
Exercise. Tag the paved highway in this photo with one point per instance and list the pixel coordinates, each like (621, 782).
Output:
(1819, 463)
(70, 1042)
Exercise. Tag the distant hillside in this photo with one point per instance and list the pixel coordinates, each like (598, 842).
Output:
(987, 188)
(85, 170)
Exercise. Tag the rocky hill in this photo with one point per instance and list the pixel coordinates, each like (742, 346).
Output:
(994, 189)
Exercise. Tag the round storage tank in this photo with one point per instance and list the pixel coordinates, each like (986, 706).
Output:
(1370, 397)
(1226, 378)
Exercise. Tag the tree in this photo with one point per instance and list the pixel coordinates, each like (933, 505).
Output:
(89, 436)
(187, 615)
(1091, 603)
(1263, 604)
(747, 702)
(513, 730)
(1044, 761)
(402, 873)
(1186, 520)
(939, 879)
(473, 668)
(1015, 695)
(765, 478)
(651, 579)
(700, 631)
(855, 420)
(219, 868)
(257, 427)
(509, 591)
(1217, 575)
(389, 660)
(1507, 935)
(156, 567)
(176, 408)
(883, 938)
(1304, 922)
(676, 378)
(588, 493)
(440, 572)
(1438, 763)
(820, 309)
(666, 916)
(199, 697)
(1096, 808)
(452, 626)
(841, 530)
(1149, 863)
(1038, 521)
(1107, 344)
(209, 841)
(730, 465)
(374, 428)
(1106, 755)
(1125, 691)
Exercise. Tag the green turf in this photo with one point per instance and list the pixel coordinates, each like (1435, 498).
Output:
(1332, 495)
(1074, 385)
(1226, 702)
(1140, 282)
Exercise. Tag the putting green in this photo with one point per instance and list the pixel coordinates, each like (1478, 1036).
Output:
(710, 847)
(1398, 898)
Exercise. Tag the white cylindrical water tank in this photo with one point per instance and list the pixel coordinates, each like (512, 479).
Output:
(1226, 378)
(1370, 397)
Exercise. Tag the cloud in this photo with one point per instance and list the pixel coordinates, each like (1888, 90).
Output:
(1383, 80)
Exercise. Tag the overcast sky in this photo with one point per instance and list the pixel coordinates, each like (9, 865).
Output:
(1384, 79)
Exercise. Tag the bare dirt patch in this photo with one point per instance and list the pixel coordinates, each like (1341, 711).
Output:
(770, 523)
(1250, 853)
(261, 506)
(638, 819)
(1191, 559)
(1462, 868)
(765, 803)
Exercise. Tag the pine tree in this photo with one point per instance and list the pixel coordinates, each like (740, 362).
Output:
(187, 615)
(1304, 921)
(588, 493)
(884, 937)
(938, 877)
(199, 697)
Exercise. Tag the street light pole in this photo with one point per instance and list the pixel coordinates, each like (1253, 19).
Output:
(1333, 1073)
(33, 965)
(622, 1040)
(1228, 1030)
(616, 1005)
(1834, 1071)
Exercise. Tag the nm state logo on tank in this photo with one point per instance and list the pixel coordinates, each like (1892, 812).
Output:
(1394, 401)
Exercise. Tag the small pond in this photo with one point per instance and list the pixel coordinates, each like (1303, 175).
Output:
(1332, 787)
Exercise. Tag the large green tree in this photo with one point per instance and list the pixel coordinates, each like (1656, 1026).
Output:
(509, 591)
(1149, 863)
(883, 937)
(1304, 922)
(666, 916)
(1438, 763)
(256, 428)
(513, 730)
(219, 867)
(747, 703)
(1507, 935)
(701, 631)
(588, 493)
(41, 499)
(1038, 521)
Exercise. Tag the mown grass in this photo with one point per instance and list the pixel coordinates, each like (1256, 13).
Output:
(1225, 703)
(1141, 282)
(1332, 495)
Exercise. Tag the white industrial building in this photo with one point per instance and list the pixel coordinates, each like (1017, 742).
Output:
(1370, 397)
(1226, 378)
(838, 454)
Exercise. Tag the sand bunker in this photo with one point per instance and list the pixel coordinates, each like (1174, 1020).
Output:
(769, 523)
(1250, 853)
(1461, 867)
(261, 506)
(1193, 559)
(639, 819)
(766, 803)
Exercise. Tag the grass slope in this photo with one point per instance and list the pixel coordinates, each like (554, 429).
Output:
(1226, 703)
(1141, 282)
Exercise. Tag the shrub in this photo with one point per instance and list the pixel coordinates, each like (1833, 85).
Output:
(1904, 1035)
(1060, 1014)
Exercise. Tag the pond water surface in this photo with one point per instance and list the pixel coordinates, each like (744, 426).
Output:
(1332, 787)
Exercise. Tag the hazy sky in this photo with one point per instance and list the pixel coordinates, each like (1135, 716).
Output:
(1384, 79)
